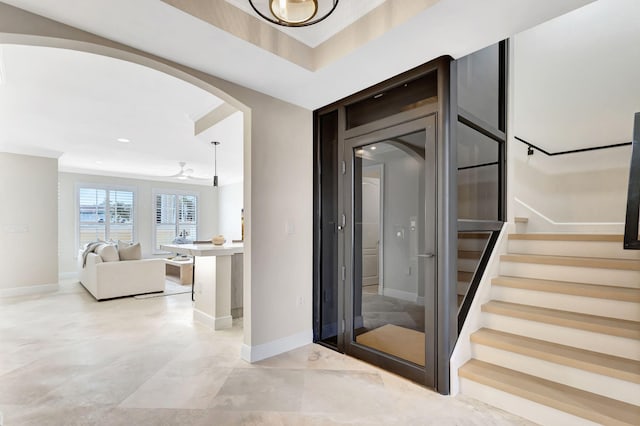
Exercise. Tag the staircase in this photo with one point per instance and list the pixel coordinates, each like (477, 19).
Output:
(470, 248)
(560, 342)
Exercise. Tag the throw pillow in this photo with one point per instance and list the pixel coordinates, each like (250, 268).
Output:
(108, 253)
(132, 252)
(124, 244)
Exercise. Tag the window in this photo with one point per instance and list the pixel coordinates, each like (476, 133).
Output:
(176, 215)
(105, 214)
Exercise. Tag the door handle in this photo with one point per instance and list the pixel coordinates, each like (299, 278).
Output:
(427, 255)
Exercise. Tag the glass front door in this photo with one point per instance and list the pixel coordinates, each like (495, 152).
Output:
(390, 243)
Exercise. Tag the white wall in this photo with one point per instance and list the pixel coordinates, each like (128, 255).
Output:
(144, 212)
(230, 205)
(281, 225)
(590, 194)
(401, 184)
(28, 222)
(278, 187)
(574, 84)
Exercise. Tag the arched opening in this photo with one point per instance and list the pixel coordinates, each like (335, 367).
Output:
(232, 105)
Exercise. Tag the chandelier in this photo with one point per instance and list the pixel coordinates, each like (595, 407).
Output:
(294, 13)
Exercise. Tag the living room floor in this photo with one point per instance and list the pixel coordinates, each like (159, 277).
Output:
(68, 360)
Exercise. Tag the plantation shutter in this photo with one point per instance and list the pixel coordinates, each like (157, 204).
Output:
(121, 215)
(92, 217)
(165, 219)
(105, 214)
(187, 220)
(175, 216)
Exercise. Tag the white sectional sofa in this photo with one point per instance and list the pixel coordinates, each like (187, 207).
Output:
(107, 280)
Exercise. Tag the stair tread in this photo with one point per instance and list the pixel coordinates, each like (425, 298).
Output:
(465, 276)
(474, 235)
(596, 362)
(625, 294)
(469, 254)
(565, 398)
(605, 325)
(587, 262)
(521, 220)
(567, 237)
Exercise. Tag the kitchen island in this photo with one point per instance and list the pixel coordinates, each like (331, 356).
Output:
(211, 280)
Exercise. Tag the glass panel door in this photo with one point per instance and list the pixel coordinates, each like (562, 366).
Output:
(390, 202)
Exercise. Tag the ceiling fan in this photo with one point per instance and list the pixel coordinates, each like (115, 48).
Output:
(185, 174)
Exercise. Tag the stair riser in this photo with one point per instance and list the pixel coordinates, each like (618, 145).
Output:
(591, 382)
(468, 244)
(566, 302)
(615, 277)
(467, 265)
(612, 345)
(573, 248)
(522, 407)
(462, 288)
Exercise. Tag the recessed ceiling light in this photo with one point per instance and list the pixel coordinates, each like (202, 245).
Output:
(373, 148)
(123, 140)
(360, 151)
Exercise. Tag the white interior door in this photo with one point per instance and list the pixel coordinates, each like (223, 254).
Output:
(370, 230)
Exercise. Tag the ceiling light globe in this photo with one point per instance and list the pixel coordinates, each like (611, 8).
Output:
(294, 11)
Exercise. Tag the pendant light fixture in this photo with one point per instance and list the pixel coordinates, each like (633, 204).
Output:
(215, 163)
(294, 13)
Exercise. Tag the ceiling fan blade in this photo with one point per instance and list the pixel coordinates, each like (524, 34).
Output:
(182, 171)
(198, 178)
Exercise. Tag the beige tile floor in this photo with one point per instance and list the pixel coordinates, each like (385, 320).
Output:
(68, 360)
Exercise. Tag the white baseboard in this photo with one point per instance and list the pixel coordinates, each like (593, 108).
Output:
(223, 322)
(29, 290)
(212, 322)
(68, 275)
(267, 350)
(400, 294)
(204, 319)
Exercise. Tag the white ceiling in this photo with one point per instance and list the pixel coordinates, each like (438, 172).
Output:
(51, 102)
(450, 27)
(344, 15)
(75, 105)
